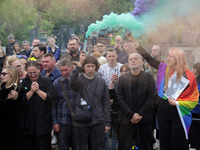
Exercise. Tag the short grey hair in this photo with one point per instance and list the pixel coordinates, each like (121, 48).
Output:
(26, 42)
(136, 53)
(64, 62)
(11, 37)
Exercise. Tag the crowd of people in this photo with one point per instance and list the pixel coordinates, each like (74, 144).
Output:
(111, 99)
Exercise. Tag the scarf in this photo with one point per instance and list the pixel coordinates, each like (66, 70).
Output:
(186, 101)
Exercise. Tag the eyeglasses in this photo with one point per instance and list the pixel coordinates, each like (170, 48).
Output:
(100, 46)
(4, 73)
(32, 73)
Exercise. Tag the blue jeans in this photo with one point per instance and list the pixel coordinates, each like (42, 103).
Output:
(65, 137)
(114, 141)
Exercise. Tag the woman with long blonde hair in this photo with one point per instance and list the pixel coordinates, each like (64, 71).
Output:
(2, 57)
(9, 99)
(13, 60)
(174, 116)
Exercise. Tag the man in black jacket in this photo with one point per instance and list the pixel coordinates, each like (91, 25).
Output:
(10, 45)
(135, 92)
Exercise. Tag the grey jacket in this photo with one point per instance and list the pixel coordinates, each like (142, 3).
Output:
(95, 92)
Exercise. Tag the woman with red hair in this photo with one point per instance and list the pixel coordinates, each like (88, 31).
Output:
(174, 116)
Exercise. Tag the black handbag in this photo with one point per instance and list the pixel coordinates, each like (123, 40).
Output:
(83, 113)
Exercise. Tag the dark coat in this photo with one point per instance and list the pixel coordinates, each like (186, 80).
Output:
(11, 116)
(145, 101)
(7, 109)
(9, 48)
(39, 111)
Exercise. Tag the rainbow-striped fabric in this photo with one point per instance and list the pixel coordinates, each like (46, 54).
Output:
(186, 101)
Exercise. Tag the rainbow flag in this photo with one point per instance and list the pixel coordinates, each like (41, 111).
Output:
(186, 101)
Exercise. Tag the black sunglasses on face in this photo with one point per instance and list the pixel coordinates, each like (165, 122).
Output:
(3, 73)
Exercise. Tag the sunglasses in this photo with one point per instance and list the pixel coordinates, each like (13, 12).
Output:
(3, 73)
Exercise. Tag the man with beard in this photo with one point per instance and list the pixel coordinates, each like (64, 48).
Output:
(157, 54)
(74, 49)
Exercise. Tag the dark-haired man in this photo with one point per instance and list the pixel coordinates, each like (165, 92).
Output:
(38, 51)
(74, 49)
(101, 48)
(35, 42)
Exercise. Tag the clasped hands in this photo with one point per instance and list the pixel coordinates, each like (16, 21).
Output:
(136, 118)
(34, 87)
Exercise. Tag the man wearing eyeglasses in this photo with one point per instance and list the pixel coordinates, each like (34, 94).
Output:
(101, 48)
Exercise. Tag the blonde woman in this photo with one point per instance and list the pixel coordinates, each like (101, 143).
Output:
(174, 116)
(2, 57)
(9, 100)
(13, 60)
(53, 49)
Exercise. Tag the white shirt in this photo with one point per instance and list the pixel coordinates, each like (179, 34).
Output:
(106, 71)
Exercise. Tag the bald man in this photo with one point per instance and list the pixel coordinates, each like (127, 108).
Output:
(135, 93)
(119, 48)
(156, 52)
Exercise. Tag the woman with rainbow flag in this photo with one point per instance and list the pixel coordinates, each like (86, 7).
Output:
(174, 116)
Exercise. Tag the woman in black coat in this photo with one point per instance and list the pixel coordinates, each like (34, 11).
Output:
(9, 101)
(39, 95)
(2, 57)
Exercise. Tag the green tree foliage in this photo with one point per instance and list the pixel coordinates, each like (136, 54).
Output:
(18, 17)
(85, 11)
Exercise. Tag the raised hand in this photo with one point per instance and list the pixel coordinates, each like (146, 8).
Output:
(131, 38)
(82, 58)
